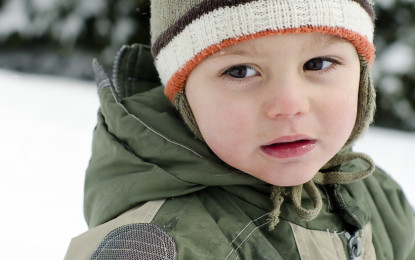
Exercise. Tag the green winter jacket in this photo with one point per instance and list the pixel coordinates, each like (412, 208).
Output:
(149, 175)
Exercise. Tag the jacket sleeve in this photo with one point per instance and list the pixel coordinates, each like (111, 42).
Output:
(392, 218)
(412, 254)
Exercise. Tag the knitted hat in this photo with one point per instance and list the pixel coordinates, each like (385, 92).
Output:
(185, 32)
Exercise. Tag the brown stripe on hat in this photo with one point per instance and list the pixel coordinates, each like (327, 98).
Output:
(194, 13)
(210, 5)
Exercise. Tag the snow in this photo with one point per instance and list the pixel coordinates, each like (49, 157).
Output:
(393, 152)
(45, 135)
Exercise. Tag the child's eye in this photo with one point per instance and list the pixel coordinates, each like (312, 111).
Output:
(241, 71)
(319, 64)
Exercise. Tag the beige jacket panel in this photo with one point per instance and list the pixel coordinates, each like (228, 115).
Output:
(84, 245)
(315, 244)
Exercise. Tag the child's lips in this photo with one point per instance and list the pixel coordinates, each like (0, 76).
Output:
(289, 148)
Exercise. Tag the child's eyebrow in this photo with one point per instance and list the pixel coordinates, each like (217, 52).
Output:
(326, 41)
(240, 50)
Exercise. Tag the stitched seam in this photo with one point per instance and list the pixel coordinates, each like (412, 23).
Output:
(249, 235)
(366, 242)
(157, 205)
(103, 84)
(250, 222)
(332, 241)
(148, 212)
(305, 244)
(151, 129)
(115, 69)
(296, 238)
(153, 205)
(365, 246)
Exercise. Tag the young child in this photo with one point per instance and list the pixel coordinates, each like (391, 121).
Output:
(249, 156)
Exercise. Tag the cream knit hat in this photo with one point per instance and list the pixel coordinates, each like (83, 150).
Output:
(185, 32)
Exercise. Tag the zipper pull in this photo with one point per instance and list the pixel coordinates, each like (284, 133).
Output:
(354, 245)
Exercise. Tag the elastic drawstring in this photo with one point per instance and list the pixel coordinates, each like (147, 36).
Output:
(334, 177)
(344, 177)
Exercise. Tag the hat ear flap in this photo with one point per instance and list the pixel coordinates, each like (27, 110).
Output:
(182, 105)
(366, 103)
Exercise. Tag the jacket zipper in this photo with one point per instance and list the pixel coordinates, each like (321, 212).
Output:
(354, 245)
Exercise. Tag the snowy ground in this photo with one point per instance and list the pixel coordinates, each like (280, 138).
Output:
(45, 137)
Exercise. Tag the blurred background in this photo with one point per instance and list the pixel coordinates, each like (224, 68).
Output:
(49, 105)
(61, 37)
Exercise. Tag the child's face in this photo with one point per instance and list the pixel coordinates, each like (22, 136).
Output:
(278, 107)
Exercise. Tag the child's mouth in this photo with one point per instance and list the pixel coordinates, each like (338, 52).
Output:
(284, 150)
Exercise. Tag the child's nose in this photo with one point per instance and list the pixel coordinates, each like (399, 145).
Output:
(287, 98)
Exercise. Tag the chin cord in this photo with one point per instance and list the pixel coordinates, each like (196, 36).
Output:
(294, 192)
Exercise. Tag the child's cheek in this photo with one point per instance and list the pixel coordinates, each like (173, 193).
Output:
(231, 123)
(228, 130)
(341, 117)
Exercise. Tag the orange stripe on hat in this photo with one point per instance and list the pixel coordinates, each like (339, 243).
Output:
(177, 82)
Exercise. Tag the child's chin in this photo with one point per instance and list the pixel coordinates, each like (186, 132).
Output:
(294, 181)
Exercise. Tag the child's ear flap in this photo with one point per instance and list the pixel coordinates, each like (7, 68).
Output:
(182, 105)
(366, 105)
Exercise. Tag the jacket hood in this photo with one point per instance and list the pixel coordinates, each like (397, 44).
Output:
(141, 149)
